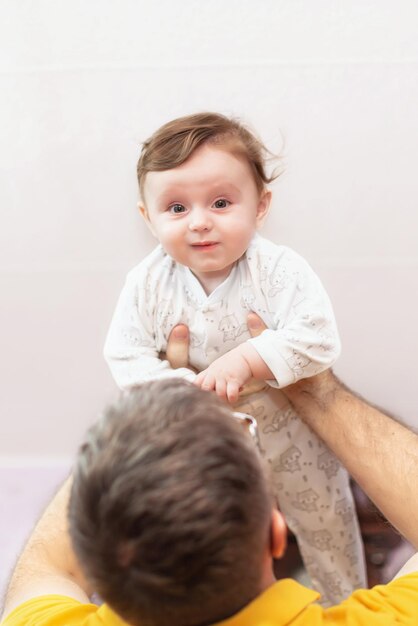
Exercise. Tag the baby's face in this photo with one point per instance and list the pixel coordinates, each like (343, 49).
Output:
(205, 212)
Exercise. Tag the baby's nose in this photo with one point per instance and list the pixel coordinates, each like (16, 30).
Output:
(200, 220)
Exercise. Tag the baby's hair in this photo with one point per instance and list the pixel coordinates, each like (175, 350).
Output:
(173, 143)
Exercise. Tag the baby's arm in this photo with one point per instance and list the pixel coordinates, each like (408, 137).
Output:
(227, 374)
(304, 340)
(130, 349)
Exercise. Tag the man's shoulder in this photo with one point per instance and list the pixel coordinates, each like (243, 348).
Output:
(397, 602)
(57, 610)
(408, 581)
(50, 610)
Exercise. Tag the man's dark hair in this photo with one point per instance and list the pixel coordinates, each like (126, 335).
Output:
(170, 510)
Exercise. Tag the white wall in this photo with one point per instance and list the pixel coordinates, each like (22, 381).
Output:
(83, 83)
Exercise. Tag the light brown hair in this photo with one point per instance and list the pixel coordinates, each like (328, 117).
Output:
(173, 143)
(170, 511)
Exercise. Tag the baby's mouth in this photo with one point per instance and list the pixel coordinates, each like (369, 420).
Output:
(204, 244)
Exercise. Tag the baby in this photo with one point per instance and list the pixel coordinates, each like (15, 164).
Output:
(203, 189)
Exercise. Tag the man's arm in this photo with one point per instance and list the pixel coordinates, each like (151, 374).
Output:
(380, 453)
(48, 564)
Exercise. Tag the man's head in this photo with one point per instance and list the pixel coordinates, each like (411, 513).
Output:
(203, 190)
(170, 513)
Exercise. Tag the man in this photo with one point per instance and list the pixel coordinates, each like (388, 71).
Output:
(172, 521)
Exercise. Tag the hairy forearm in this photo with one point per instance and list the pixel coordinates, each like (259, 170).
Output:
(380, 453)
(48, 564)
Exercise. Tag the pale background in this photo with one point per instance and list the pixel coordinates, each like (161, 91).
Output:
(82, 83)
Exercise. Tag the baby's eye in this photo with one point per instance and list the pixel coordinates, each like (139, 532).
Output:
(221, 203)
(177, 208)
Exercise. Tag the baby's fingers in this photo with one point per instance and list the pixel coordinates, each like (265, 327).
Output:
(220, 388)
(200, 378)
(209, 382)
(205, 381)
(232, 391)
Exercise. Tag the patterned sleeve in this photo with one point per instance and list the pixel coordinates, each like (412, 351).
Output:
(304, 339)
(130, 349)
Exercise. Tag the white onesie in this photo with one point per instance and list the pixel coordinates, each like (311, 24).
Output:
(301, 340)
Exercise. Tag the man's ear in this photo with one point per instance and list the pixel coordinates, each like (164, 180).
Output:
(263, 206)
(278, 534)
(144, 212)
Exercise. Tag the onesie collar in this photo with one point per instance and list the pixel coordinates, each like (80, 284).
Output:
(217, 294)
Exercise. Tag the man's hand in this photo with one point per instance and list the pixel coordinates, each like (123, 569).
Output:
(226, 375)
(178, 347)
(255, 324)
(178, 354)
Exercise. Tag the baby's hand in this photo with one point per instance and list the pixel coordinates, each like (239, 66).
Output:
(226, 375)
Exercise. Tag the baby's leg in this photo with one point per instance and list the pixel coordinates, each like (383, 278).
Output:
(313, 492)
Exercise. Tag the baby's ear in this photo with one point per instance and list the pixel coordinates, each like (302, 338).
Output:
(263, 206)
(144, 212)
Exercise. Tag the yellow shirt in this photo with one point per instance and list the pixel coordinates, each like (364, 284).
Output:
(285, 603)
